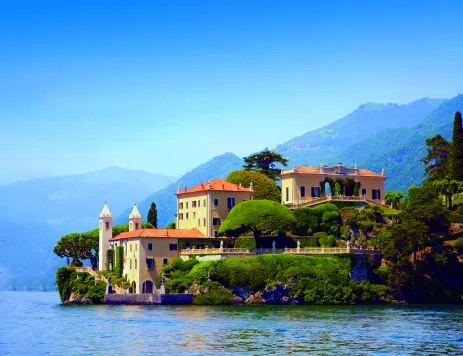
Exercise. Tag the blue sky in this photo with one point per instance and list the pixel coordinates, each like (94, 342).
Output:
(166, 85)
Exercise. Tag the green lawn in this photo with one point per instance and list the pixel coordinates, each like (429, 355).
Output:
(390, 211)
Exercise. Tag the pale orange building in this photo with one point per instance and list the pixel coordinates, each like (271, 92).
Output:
(305, 183)
(206, 205)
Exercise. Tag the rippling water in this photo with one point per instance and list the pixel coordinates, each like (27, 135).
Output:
(35, 323)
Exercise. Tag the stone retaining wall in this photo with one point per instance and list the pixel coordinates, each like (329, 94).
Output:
(148, 299)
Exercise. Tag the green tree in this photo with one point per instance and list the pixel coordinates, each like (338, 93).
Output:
(264, 162)
(89, 244)
(69, 246)
(259, 217)
(264, 187)
(448, 188)
(438, 158)
(170, 225)
(393, 198)
(424, 204)
(153, 215)
(457, 148)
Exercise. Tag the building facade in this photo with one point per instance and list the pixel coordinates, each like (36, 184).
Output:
(207, 205)
(145, 251)
(305, 183)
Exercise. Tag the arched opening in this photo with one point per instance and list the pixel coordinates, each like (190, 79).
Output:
(133, 287)
(148, 287)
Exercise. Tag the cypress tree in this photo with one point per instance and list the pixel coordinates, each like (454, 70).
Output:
(153, 215)
(457, 151)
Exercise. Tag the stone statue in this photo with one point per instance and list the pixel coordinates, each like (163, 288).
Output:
(348, 243)
(274, 244)
(221, 244)
(298, 244)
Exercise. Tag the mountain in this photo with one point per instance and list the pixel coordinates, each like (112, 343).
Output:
(324, 144)
(399, 151)
(26, 257)
(165, 199)
(68, 203)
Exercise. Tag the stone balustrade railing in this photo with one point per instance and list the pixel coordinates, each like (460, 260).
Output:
(258, 251)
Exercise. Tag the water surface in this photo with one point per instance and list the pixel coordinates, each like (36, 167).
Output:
(35, 323)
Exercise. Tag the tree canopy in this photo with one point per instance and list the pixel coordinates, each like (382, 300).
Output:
(264, 187)
(438, 157)
(393, 198)
(264, 162)
(153, 215)
(457, 148)
(79, 247)
(258, 216)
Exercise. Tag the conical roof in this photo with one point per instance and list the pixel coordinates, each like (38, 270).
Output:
(135, 214)
(105, 213)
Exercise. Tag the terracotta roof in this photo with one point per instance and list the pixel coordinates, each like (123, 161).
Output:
(329, 171)
(217, 185)
(160, 233)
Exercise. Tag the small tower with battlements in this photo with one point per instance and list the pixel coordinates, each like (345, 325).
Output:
(105, 234)
(134, 219)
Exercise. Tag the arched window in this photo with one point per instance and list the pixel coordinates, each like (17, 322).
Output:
(136, 226)
(107, 225)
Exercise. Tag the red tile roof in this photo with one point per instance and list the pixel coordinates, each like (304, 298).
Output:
(316, 171)
(217, 185)
(160, 233)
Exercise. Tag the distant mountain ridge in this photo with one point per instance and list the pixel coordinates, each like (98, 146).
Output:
(325, 143)
(400, 150)
(68, 203)
(165, 199)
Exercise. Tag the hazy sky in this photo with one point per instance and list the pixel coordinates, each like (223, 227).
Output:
(167, 85)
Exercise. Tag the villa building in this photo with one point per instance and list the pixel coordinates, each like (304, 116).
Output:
(305, 183)
(146, 251)
(206, 205)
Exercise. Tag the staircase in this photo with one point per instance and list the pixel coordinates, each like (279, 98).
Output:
(99, 277)
(354, 199)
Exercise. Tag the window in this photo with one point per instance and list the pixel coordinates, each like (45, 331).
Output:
(193, 204)
(199, 222)
(215, 221)
(287, 193)
(315, 192)
(107, 225)
(364, 191)
(136, 226)
(194, 215)
(180, 205)
(230, 202)
(216, 234)
(180, 216)
(130, 264)
(216, 201)
(136, 247)
(204, 202)
(204, 223)
(186, 205)
(186, 216)
(199, 203)
(135, 263)
(165, 261)
(303, 191)
(150, 246)
(130, 247)
(150, 263)
(173, 247)
(376, 194)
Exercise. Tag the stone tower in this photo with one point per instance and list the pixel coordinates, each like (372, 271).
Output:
(106, 234)
(134, 219)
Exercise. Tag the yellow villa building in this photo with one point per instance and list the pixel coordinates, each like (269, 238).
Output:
(146, 251)
(305, 183)
(206, 205)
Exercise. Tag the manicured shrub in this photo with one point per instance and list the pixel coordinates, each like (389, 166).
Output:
(458, 245)
(264, 188)
(327, 241)
(244, 242)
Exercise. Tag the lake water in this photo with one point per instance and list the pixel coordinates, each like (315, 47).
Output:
(35, 323)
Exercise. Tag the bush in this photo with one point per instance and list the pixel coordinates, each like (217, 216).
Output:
(263, 187)
(327, 241)
(216, 295)
(244, 242)
(76, 263)
(458, 245)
